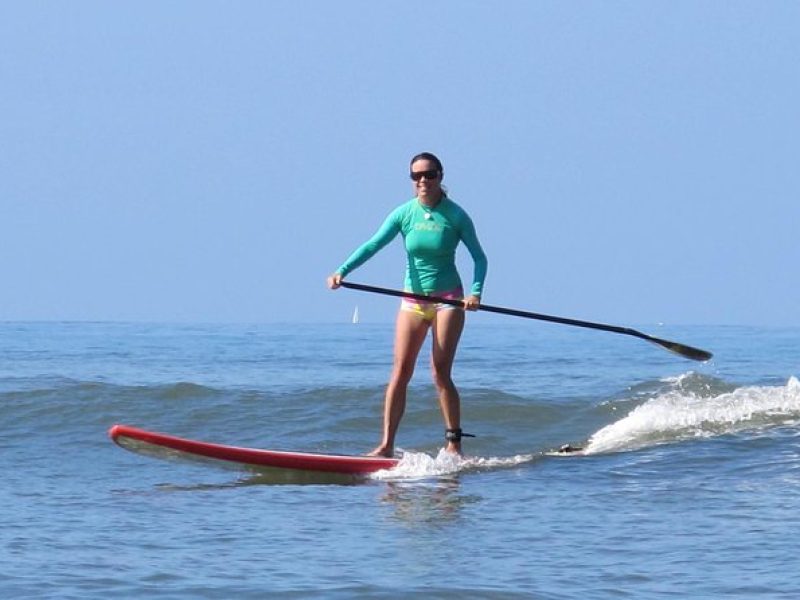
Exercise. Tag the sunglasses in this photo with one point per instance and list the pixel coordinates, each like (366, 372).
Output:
(418, 175)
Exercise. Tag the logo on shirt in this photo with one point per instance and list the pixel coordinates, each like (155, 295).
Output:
(428, 226)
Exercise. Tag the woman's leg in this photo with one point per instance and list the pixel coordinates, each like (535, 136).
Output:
(410, 334)
(447, 329)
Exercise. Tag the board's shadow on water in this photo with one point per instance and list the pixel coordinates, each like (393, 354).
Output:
(267, 479)
(400, 492)
(251, 480)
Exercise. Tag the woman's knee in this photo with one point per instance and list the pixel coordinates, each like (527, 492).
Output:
(441, 371)
(402, 372)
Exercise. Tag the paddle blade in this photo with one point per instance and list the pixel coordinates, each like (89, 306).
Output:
(683, 349)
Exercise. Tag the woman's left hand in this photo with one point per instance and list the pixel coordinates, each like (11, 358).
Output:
(472, 302)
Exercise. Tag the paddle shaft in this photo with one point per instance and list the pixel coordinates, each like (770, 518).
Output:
(682, 349)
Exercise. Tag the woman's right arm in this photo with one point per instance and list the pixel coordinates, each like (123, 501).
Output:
(387, 232)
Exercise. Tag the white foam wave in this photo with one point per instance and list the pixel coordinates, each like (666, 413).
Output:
(418, 465)
(679, 414)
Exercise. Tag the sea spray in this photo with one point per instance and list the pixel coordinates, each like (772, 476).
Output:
(678, 414)
(418, 465)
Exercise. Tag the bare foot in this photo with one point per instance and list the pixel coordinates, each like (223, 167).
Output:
(453, 448)
(383, 452)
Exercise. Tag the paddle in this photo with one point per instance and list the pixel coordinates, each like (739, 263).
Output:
(681, 349)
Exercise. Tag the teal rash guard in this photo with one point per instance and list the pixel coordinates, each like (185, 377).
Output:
(431, 236)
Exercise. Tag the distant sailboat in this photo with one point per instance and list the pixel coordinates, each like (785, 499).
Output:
(355, 315)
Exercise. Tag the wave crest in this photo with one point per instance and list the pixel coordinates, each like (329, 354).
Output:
(686, 412)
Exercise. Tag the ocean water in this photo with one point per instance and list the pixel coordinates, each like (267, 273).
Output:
(690, 487)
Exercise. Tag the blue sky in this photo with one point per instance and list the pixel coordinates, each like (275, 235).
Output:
(627, 162)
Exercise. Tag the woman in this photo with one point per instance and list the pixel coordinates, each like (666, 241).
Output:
(432, 225)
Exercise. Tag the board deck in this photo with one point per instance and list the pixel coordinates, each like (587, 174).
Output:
(149, 442)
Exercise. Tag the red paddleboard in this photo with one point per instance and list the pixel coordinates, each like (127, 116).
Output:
(167, 446)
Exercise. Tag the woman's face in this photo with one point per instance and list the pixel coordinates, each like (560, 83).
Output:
(427, 179)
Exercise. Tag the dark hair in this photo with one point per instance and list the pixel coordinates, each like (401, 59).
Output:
(431, 157)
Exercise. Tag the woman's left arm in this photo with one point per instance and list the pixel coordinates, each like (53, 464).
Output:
(470, 239)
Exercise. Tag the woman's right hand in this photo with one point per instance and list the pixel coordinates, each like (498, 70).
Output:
(334, 281)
